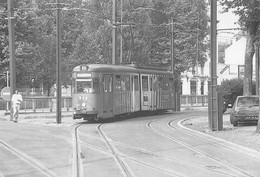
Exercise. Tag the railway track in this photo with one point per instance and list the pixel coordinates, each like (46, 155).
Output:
(77, 169)
(39, 167)
(110, 146)
(77, 165)
(196, 150)
(120, 161)
(120, 158)
(212, 141)
(76, 156)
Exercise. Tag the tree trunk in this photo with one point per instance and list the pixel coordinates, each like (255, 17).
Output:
(250, 50)
(257, 57)
(247, 86)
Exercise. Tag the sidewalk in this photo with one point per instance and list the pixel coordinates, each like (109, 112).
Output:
(243, 135)
(40, 117)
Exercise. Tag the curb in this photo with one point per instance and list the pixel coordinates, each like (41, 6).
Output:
(35, 116)
(243, 150)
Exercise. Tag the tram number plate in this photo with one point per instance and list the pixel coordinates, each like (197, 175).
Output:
(83, 97)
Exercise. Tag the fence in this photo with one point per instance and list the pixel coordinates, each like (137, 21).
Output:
(48, 103)
(194, 100)
(39, 104)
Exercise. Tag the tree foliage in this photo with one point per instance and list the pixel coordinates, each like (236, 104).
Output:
(249, 19)
(86, 35)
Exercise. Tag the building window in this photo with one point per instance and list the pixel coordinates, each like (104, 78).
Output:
(193, 87)
(202, 88)
(145, 83)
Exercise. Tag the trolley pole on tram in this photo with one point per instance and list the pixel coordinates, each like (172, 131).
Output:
(11, 50)
(58, 64)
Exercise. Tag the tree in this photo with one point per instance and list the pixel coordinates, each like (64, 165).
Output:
(86, 35)
(248, 12)
(3, 42)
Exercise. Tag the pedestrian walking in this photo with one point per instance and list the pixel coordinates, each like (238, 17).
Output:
(16, 102)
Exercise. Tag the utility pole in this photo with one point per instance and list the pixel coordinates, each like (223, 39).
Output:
(257, 64)
(172, 48)
(58, 63)
(11, 50)
(257, 67)
(213, 102)
(173, 63)
(176, 99)
(121, 31)
(7, 85)
(114, 33)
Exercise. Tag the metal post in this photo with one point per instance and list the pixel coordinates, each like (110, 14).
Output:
(172, 48)
(258, 88)
(121, 37)
(7, 85)
(58, 64)
(173, 67)
(114, 34)
(213, 108)
(257, 67)
(11, 49)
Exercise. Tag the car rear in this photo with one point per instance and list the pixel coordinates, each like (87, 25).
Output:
(245, 110)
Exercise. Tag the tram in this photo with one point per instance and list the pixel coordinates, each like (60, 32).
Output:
(101, 91)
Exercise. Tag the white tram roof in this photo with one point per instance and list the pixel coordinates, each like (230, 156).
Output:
(108, 68)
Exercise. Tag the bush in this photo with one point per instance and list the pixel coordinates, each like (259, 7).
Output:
(230, 89)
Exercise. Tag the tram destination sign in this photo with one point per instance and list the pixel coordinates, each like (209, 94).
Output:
(5, 94)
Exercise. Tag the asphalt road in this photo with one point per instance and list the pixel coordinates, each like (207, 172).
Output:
(151, 146)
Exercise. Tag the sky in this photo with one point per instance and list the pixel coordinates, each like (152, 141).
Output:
(226, 20)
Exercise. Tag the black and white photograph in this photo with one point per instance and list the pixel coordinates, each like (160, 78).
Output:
(129, 88)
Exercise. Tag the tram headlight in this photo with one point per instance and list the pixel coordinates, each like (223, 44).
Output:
(83, 104)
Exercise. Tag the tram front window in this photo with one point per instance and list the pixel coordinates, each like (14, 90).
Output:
(84, 86)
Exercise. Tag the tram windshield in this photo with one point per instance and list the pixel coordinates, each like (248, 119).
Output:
(83, 86)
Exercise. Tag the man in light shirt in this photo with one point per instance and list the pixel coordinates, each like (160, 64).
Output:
(16, 102)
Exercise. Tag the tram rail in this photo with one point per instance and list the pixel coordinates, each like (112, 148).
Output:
(29, 160)
(127, 171)
(205, 154)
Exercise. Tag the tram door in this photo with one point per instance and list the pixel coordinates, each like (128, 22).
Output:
(107, 95)
(153, 92)
(145, 93)
(135, 93)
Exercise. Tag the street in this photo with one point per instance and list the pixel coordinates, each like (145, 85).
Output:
(143, 146)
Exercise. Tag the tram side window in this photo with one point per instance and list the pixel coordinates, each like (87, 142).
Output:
(136, 83)
(127, 83)
(107, 83)
(118, 83)
(145, 83)
(96, 85)
(160, 83)
(165, 83)
(123, 83)
(151, 83)
(155, 83)
(171, 83)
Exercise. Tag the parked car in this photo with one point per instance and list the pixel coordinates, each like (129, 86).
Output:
(245, 110)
